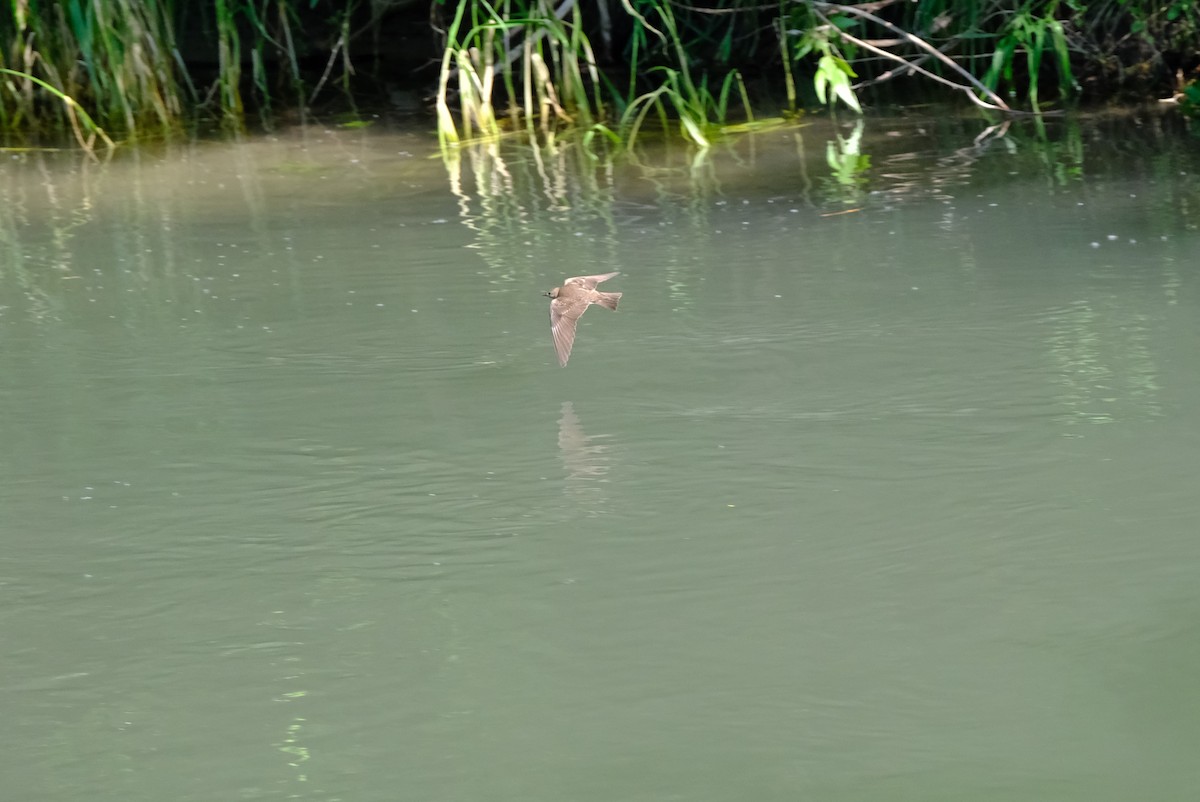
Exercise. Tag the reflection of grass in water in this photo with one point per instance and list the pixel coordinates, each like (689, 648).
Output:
(297, 753)
(516, 186)
(1104, 367)
(40, 268)
(298, 168)
(516, 200)
(333, 590)
(521, 200)
(41, 223)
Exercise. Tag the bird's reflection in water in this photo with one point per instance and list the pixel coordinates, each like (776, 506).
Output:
(586, 461)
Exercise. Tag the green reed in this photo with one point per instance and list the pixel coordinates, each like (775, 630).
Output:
(538, 65)
(117, 58)
(123, 61)
(541, 68)
(1025, 50)
(82, 125)
(603, 71)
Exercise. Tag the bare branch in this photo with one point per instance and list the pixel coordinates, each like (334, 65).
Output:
(856, 11)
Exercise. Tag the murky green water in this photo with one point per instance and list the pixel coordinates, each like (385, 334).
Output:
(881, 484)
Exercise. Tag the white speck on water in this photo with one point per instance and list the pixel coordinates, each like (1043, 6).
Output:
(379, 304)
(778, 296)
(1095, 244)
(438, 221)
(1112, 237)
(1132, 241)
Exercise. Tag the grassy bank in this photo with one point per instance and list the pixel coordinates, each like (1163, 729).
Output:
(604, 71)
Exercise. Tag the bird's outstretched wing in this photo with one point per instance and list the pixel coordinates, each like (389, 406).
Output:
(590, 282)
(564, 315)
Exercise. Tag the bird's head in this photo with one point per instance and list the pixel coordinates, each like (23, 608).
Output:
(552, 293)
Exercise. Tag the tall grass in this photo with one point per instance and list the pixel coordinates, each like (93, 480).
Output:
(117, 58)
(123, 61)
(971, 47)
(607, 71)
(82, 125)
(538, 64)
(534, 60)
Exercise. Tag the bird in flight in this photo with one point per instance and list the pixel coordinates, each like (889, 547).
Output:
(569, 302)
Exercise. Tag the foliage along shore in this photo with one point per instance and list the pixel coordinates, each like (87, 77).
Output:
(124, 69)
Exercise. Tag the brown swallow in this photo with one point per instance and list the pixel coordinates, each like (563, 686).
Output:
(569, 302)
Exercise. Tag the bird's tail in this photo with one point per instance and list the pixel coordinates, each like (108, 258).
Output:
(608, 299)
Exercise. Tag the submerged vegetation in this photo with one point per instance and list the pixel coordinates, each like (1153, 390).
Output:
(603, 70)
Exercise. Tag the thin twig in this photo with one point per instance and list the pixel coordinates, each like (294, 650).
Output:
(513, 53)
(328, 68)
(1000, 105)
(912, 67)
(876, 6)
(896, 72)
